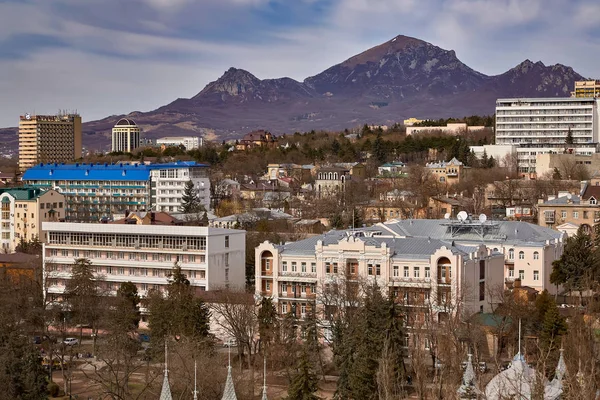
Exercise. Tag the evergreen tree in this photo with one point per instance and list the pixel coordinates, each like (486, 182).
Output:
(556, 174)
(129, 294)
(553, 328)
(484, 159)
(491, 163)
(335, 147)
(190, 203)
(83, 294)
(569, 139)
(304, 384)
(577, 267)
(267, 321)
(379, 150)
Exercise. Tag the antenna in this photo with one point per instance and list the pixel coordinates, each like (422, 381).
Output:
(482, 218)
(166, 357)
(195, 380)
(447, 216)
(519, 353)
(462, 216)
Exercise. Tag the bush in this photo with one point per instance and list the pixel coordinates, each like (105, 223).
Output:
(53, 389)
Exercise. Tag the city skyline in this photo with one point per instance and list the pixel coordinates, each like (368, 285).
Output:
(106, 58)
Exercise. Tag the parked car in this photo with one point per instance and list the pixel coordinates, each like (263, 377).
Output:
(230, 343)
(143, 337)
(71, 341)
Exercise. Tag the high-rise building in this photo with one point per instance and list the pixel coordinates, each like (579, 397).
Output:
(542, 125)
(586, 89)
(49, 138)
(125, 136)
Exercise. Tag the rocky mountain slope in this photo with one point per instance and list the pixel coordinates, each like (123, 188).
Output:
(404, 77)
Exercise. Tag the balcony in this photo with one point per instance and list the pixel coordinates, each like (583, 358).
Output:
(417, 282)
(298, 274)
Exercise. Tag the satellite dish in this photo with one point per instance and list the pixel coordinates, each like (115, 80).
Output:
(447, 216)
(462, 216)
(482, 218)
(569, 196)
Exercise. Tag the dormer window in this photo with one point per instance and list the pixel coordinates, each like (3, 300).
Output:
(593, 200)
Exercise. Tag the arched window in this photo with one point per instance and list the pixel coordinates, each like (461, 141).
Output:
(536, 255)
(521, 255)
(511, 254)
(495, 249)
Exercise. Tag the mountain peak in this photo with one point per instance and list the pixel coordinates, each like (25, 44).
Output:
(398, 44)
(234, 82)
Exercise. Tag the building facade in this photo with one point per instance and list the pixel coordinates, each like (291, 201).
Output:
(330, 181)
(97, 191)
(125, 136)
(448, 172)
(23, 211)
(586, 89)
(211, 258)
(541, 125)
(189, 142)
(429, 277)
(453, 128)
(49, 138)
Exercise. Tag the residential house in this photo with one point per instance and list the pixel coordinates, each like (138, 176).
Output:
(394, 168)
(259, 138)
(448, 172)
(567, 212)
(331, 180)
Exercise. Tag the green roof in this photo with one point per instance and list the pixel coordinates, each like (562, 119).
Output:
(23, 193)
(491, 320)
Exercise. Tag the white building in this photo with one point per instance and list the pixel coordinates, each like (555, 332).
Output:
(498, 151)
(168, 185)
(541, 125)
(125, 136)
(211, 258)
(453, 128)
(189, 142)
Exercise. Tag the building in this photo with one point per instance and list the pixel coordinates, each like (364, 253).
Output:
(260, 138)
(566, 164)
(189, 142)
(331, 180)
(125, 136)
(567, 212)
(448, 172)
(23, 211)
(302, 173)
(49, 138)
(394, 168)
(21, 268)
(453, 128)
(426, 275)
(211, 258)
(412, 121)
(586, 89)
(497, 151)
(97, 191)
(541, 125)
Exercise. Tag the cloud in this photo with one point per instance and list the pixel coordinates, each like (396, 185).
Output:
(111, 56)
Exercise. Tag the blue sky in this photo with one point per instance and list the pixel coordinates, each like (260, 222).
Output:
(106, 57)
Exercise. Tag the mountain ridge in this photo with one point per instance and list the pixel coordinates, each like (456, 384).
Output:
(400, 78)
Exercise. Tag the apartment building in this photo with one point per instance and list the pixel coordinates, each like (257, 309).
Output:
(331, 180)
(541, 125)
(49, 138)
(189, 142)
(97, 191)
(453, 128)
(211, 258)
(125, 136)
(427, 276)
(448, 172)
(586, 89)
(23, 211)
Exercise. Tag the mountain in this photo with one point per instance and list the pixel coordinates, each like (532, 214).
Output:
(404, 77)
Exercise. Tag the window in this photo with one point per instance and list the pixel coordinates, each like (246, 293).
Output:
(521, 255)
(378, 269)
(294, 267)
(481, 269)
(593, 201)
(313, 268)
(521, 274)
(303, 267)
(511, 272)
(335, 268)
(268, 285)
(536, 275)
(327, 268)
(64, 253)
(226, 241)
(121, 271)
(406, 274)
(416, 272)
(481, 291)
(370, 269)
(227, 259)
(536, 255)
(284, 309)
(585, 215)
(396, 271)
(76, 253)
(575, 214)
(54, 252)
(563, 214)
(427, 272)
(284, 266)
(511, 254)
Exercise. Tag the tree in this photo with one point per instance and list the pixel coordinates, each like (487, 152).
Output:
(304, 384)
(569, 139)
(267, 322)
(128, 293)
(379, 149)
(190, 202)
(577, 267)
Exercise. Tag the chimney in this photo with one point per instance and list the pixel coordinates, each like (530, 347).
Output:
(152, 218)
(517, 284)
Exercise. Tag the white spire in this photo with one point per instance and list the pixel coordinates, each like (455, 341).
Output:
(229, 391)
(519, 355)
(467, 388)
(195, 381)
(165, 393)
(264, 395)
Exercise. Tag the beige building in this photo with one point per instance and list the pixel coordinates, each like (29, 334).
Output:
(23, 211)
(427, 275)
(586, 89)
(567, 213)
(448, 172)
(453, 128)
(332, 180)
(49, 138)
(125, 136)
(566, 164)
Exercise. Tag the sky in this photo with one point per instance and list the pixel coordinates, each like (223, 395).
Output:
(106, 57)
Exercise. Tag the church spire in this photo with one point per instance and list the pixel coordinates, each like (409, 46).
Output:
(229, 391)
(195, 381)
(165, 393)
(264, 395)
(467, 388)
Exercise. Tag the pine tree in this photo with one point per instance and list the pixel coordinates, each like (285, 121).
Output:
(569, 139)
(190, 203)
(578, 266)
(379, 150)
(304, 384)
(267, 321)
